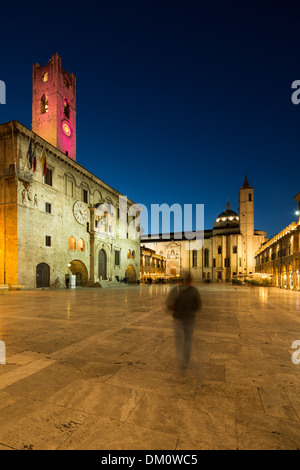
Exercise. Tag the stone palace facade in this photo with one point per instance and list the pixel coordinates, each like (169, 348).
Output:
(58, 221)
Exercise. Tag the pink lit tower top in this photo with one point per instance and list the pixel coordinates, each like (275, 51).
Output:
(54, 105)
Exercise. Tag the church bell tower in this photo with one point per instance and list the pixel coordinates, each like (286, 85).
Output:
(54, 105)
(246, 209)
(246, 214)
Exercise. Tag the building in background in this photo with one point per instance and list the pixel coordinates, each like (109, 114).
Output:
(56, 217)
(228, 249)
(152, 265)
(279, 257)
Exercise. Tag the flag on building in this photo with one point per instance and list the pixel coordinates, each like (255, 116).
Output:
(44, 160)
(33, 158)
(29, 153)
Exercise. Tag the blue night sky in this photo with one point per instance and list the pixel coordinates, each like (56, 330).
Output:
(176, 100)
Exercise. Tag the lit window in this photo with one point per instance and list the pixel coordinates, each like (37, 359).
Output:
(81, 245)
(45, 77)
(128, 254)
(72, 243)
(44, 104)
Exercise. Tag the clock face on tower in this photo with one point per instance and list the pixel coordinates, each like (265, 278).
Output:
(80, 212)
(66, 128)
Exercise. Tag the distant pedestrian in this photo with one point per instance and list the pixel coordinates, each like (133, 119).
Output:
(184, 301)
(67, 281)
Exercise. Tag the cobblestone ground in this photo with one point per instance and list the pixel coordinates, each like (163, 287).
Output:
(96, 369)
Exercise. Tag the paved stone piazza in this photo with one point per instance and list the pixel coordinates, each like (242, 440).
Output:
(95, 369)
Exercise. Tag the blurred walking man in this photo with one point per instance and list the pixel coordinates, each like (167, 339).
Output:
(184, 301)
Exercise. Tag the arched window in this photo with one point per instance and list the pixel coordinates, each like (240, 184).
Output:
(66, 81)
(81, 245)
(45, 77)
(72, 243)
(67, 108)
(44, 104)
(133, 255)
(128, 254)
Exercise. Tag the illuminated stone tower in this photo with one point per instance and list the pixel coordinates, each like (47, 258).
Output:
(54, 105)
(246, 209)
(246, 214)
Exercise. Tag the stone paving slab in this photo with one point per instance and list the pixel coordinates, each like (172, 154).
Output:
(96, 369)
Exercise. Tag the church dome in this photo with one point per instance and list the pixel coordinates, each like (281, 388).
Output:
(228, 217)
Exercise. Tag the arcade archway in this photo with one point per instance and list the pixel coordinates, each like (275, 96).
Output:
(79, 270)
(130, 274)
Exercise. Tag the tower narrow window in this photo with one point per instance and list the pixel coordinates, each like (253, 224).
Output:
(45, 77)
(250, 197)
(44, 104)
(67, 109)
(66, 81)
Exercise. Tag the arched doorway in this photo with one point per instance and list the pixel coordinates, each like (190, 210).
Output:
(78, 268)
(42, 275)
(102, 265)
(130, 274)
